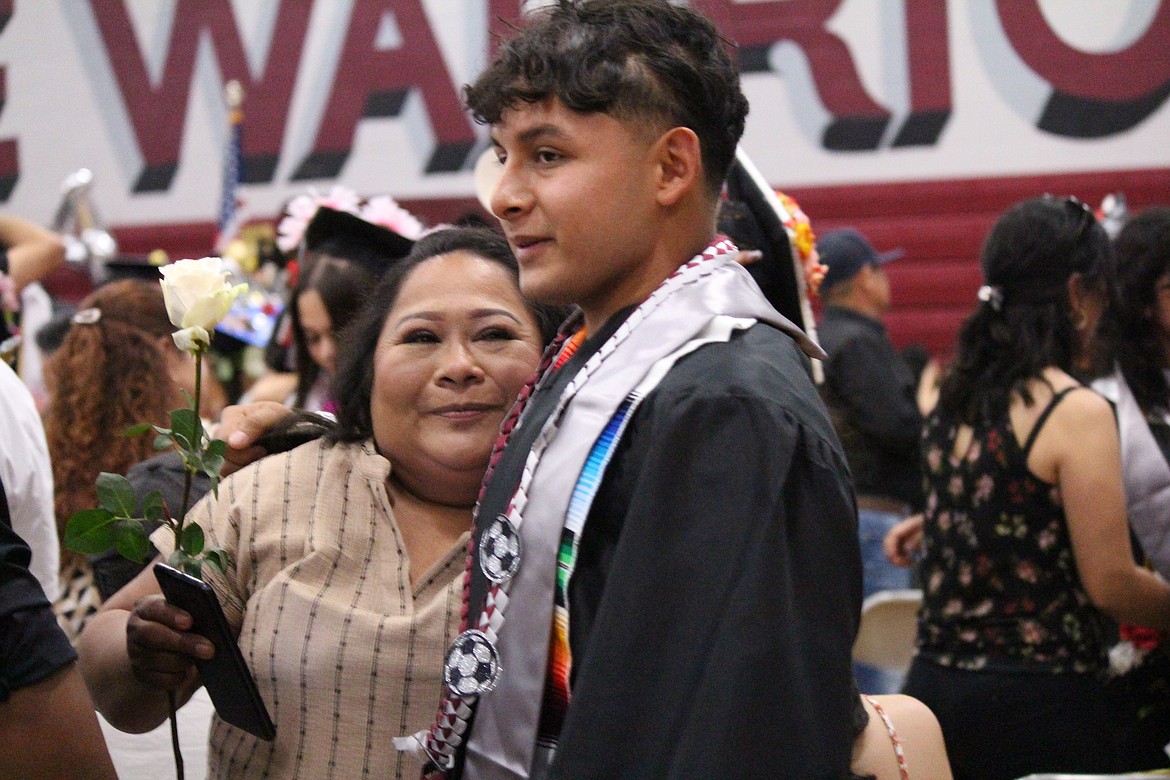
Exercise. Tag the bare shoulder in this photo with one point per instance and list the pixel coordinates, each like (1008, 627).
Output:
(1081, 426)
(916, 729)
(1079, 401)
(1080, 434)
(1083, 403)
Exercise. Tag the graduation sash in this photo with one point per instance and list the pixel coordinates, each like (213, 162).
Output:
(1146, 475)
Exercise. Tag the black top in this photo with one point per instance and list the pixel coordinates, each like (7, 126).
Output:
(870, 392)
(718, 583)
(32, 646)
(1001, 585)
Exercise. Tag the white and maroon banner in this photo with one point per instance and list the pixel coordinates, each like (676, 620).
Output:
(366, 93)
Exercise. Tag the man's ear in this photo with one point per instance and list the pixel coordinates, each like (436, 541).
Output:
(680, 165)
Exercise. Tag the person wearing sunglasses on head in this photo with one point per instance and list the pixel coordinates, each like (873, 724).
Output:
(1026, 552)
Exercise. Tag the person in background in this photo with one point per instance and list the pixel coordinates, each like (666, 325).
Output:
(28, 473)
(871, 394)
(1135, 341)
(347, 553)
(342, 254)
(117, 367)
(47, 724)
(28, 253)
(1026, 548)
(1135, 338)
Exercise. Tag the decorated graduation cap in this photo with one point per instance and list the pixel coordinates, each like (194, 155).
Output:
(757, 218)
(341, 224)
(348, 236)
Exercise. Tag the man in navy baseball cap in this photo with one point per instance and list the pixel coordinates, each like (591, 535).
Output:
(870, 392)
(846, 252)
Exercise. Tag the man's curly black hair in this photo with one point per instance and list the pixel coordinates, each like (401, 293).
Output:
(636, 60)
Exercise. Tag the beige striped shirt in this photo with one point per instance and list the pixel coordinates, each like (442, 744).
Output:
(347, 655)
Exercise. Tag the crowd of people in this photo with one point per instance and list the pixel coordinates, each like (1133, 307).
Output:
(579, 507)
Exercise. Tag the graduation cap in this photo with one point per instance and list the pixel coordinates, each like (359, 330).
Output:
(132, 266)
(753, 217)
(752, 223)
(348, 236)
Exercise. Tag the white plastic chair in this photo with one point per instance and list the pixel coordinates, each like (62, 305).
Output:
(889, 625)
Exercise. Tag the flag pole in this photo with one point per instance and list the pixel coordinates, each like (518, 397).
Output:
(228, 220)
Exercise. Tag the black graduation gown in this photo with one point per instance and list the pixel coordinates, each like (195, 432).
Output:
(718, 583)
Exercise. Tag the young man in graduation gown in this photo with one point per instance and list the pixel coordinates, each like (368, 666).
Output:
(665, 579)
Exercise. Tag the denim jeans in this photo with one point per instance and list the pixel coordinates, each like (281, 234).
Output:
(878, 574)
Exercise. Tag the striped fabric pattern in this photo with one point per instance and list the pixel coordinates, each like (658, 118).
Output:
(347, 654)
(560, 654)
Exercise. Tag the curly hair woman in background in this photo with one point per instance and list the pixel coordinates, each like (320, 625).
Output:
(117, 367)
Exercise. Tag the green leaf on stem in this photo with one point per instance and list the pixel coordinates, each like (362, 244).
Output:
(131, 540)
(163, 442)
(137, 430)
(152, 507)
(213, 458)
(187, 429)
(115, 495)
(192, 539)
(216, 559)
(90, 531)
(185, 563)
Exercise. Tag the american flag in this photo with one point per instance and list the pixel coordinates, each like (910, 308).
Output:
(228, 223)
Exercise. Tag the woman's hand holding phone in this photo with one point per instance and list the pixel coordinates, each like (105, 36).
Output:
(161, 646)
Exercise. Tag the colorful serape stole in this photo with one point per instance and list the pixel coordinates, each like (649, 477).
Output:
(560, 657)
(570, 348)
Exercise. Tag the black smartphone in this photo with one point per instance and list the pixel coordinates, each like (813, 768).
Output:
(227, 678)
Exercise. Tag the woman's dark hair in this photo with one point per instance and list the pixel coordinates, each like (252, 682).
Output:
(343, 286)
(1129, 331)
(1024, 323)
(631, 59)
(354, 383)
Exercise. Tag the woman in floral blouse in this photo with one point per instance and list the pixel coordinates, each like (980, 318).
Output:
(1026, 546)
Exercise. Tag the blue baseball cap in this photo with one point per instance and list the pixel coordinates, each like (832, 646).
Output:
(846, 252)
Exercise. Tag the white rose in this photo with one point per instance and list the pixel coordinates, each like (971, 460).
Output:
(198, 296)
(191, 339)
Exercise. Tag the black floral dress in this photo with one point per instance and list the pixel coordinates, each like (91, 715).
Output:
(1011, 653)
(1001, 588)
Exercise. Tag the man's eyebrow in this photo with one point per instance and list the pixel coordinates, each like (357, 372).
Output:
(535, 133)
